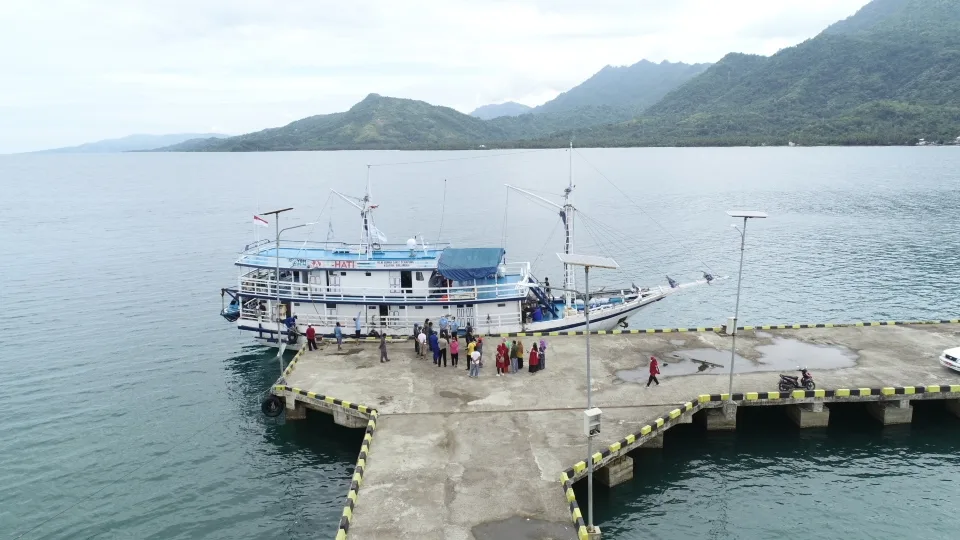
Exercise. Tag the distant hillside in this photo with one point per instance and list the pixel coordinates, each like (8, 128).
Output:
(888, 75)
(131, 143)
(510, 108)
(632, 88)
(377, 122)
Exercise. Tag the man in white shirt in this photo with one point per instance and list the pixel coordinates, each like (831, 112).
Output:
(422, 339)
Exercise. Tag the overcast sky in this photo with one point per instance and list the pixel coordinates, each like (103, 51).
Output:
(75, 71)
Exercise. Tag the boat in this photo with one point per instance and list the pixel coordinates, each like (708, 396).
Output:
(284, 286)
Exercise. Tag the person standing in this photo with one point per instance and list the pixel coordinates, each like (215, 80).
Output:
(475, 364)
(416, 342)
(356, 321)
(502, 361)
(471, 348)
(338, 333)
(422, 340)
(434, 346)
(454, 326)
(383, 348)
(654, 371)
(513, 356)
(519, 355)
(480, 349)
(543, 354)
(469, 332)
(546, 285)
(442, 343)
(444, 323)
(311, 338)
(534, 359)
(454, 351)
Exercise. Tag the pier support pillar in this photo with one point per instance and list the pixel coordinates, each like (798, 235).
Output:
(616, 472)
(341, 417)
(953, 405)
(655, 442)
(721, 419)
(809, 415)
(593, 534)
(295, 410)
(891, 412)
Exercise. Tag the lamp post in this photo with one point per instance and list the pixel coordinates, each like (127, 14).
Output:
(588, 261)
(745, 214)
(276, 247)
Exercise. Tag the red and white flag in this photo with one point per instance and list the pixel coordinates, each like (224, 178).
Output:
(257, 220)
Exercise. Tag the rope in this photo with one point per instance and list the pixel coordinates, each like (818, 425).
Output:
(644, 212)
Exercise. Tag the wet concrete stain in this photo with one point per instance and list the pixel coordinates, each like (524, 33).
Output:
(521, 528)
(781, 354)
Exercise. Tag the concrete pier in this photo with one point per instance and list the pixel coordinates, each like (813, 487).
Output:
(809, 415)
(616, 472)
(445, 442)
(892, 412)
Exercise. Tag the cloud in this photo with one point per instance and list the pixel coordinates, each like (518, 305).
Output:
(79, 70)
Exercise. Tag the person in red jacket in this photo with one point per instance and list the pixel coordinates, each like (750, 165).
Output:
(654, 371)
(534, 359)
(502, 358)
(311, 338)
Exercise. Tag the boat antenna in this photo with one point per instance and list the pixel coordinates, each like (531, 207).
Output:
(566, 215)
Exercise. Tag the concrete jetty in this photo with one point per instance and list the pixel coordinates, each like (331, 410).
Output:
(452, 457)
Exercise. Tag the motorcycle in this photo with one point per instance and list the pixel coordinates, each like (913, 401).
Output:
(803, 382)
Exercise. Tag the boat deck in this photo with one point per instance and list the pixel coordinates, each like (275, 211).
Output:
(479, 458)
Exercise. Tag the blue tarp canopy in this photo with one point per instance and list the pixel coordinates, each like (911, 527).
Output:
(469, 263)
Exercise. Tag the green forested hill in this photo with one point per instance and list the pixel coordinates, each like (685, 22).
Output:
(890, 74)
(887, 75)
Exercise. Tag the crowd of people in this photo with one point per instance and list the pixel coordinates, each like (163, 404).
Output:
(443, 343)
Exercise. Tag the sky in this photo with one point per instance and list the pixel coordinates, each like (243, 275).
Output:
(76, 71)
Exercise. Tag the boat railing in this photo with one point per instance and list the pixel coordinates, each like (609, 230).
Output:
(310, 292)
(345, 247)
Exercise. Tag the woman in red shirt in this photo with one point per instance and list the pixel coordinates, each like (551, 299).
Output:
(534, 359)
(654, 371)
(502, 358)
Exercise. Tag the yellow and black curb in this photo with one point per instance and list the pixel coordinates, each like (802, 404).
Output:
(357, 480)
(720, 328)
(293, 363)
(664, 422)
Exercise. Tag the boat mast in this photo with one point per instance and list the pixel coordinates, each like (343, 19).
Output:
(367, 227)
(566, 215)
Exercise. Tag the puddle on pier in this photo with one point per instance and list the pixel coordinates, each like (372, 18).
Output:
(781, 355)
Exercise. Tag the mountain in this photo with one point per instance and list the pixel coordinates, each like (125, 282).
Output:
(632, 88)
(376, 122)
(131, 143)
(887, 75)
(510, 108)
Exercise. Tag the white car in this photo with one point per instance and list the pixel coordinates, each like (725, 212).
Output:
(951, 359)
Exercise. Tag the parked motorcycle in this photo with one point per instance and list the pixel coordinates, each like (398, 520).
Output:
(803, 382)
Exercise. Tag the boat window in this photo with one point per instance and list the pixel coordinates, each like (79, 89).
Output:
(343, 273)
(419, 276)
(501, 305)
(368, 273)
(417, 307)
(331, 306)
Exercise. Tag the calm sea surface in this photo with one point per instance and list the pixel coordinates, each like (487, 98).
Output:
(130, 408)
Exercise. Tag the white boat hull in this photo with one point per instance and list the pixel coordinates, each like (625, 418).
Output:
(603, 318)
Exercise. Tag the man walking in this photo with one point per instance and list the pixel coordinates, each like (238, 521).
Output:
(383, 348)
(356, 321)
(311, 338)
(338, 333)
(654, 371)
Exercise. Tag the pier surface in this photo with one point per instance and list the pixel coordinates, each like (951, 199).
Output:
(480, 458)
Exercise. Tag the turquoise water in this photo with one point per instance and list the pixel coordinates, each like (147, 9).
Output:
(854, 479)
(131, 408)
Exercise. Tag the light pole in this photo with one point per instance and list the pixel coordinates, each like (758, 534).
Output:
(587, 261)
(276, 246)
(745, 214)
